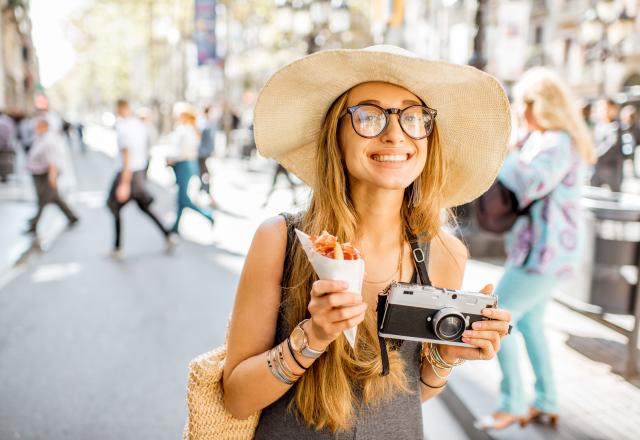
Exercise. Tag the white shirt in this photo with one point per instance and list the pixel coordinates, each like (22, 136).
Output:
(132, 136)
(46, 150)
(186, 141)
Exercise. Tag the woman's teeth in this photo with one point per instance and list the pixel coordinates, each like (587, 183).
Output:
(390, 158)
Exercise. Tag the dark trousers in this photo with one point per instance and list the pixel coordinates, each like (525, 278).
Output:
(140, 195)
(608, 175)
(48, 194)
(278, 171)
(205, 176)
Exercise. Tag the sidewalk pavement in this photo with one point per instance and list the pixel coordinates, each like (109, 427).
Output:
(596, 402)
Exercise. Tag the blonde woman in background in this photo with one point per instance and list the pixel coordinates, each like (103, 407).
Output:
(185, 162)
(543, 248)
(360, 127)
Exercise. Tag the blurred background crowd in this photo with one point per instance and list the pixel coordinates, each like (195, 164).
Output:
(188, 73)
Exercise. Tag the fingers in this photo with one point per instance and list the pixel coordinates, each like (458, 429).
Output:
(491, 336)
(346, 313)
(497, 314)
(501, 327)
(485, 349)
(487, 289)
(322, 287)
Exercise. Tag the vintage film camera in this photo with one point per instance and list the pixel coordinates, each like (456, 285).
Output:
(429, 314)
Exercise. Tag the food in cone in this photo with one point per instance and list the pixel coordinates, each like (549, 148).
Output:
(336, 261)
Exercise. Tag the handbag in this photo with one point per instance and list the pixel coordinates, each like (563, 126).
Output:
(497, 209)
(207, 418)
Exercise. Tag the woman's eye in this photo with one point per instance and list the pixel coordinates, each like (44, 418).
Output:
(371, 118)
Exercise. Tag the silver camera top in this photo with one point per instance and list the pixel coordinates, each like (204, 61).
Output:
(416, 295)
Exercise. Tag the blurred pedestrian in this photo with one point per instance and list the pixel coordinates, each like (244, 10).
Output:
(146, 116)
(543, 247)
(80, 132)
(280, 170)
(586, 111)
(7, 146)
(630, 129)
(130, 181)
(184, 163)
(608, 141)
(206, 148)
(44, 162)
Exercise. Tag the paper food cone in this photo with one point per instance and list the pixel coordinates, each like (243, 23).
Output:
(349, 271)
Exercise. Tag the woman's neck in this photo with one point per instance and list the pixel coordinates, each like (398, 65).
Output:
(380, 221)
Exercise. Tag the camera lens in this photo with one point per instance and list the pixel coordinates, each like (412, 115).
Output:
(448, 324)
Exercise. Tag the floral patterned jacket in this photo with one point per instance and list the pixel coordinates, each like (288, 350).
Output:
(549, 172)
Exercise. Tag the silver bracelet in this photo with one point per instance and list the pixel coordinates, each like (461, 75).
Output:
(275, 370)
(438, 356)
(285, 367)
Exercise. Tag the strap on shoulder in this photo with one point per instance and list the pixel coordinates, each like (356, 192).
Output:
(421, 260)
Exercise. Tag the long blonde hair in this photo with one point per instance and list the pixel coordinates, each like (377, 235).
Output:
(325, 396)
(554, 107)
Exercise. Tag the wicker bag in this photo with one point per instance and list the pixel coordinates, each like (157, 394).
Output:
(207, 418)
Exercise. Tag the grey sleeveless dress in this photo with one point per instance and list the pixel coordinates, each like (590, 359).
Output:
(399, 417)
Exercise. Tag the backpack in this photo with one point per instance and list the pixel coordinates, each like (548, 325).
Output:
(497, 209)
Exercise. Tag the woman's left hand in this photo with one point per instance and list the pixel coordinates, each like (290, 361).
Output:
(485, 336)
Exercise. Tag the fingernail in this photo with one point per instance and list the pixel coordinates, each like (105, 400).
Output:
(343, 285)
(476, 325)
(465, 339)
(487, 312)
(467, 333)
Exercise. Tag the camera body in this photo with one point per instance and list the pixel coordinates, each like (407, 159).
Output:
(430, 314)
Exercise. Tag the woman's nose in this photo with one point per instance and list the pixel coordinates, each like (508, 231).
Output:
(393, 133)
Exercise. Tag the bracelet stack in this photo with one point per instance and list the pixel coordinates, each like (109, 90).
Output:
(279, 367)
(433, 356)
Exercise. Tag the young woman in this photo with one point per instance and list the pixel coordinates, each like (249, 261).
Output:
(543, 247)
(360, 127)
(185, 164)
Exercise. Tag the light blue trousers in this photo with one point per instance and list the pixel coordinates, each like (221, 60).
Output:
(525, 295)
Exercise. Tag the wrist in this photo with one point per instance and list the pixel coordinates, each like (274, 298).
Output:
(315, 341)
(446, 355)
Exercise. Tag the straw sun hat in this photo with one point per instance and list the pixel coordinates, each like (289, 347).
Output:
(473, 111)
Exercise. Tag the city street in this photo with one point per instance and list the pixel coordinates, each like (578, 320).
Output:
(92, 347)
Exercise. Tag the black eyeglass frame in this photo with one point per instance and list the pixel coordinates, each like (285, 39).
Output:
(387, 113)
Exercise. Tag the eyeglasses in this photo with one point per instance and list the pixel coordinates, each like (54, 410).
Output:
(369, 120)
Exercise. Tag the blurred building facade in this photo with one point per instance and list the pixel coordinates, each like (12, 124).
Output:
(18, 61)
(595, 44)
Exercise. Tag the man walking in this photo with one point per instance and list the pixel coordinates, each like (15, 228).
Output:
(44, 163)
(130, 181)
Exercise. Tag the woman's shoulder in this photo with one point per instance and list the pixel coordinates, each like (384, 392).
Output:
(557, 138)
(447, 241)
(447, 258)
(272, 228)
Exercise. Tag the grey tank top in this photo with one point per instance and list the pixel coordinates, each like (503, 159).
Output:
(399, 417)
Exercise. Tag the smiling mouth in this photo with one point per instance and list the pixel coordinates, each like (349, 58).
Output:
(391, 157)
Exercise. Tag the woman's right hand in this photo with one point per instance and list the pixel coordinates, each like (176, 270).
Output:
(332, 310)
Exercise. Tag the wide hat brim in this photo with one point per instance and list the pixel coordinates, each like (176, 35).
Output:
(473, 111)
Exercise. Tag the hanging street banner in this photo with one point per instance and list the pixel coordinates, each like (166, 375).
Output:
(204, 34)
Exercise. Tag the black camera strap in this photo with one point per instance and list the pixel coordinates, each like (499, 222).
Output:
(420, 259)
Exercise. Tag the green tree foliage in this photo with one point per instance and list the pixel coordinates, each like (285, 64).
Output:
(123, 48)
